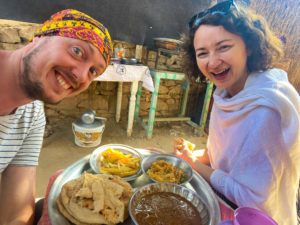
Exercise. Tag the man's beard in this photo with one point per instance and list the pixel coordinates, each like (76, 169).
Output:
(33, 89)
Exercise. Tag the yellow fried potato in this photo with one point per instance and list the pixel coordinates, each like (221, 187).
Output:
(122, 172)
(115, 162)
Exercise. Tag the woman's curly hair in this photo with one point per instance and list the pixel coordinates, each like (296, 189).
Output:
(264, 47)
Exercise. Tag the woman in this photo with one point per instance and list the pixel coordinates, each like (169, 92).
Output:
(253, 144)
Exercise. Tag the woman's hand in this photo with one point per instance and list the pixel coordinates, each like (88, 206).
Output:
(184, 149)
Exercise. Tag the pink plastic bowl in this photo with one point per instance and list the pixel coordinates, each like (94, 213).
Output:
(249, 216)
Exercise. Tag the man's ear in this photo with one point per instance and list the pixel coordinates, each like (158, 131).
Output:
(35, 40)
(32, 43)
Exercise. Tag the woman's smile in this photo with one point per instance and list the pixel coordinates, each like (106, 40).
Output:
(221, 75)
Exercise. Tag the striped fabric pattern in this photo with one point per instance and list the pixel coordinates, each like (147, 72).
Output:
(21, 136)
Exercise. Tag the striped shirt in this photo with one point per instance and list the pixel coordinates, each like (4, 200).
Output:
(21, 136)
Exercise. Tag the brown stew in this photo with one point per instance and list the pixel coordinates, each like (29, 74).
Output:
(166, 208)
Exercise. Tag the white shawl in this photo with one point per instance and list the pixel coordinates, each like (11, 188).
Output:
(254, 145)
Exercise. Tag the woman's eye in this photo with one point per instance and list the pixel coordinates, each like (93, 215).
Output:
(77, 51)
(93, 72)
(225, 47)
(201, 54)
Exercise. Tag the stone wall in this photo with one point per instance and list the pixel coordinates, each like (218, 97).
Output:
(101, 96)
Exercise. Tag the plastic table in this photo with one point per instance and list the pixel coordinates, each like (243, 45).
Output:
(128, 73)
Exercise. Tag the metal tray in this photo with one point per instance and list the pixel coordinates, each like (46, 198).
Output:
(197, 184)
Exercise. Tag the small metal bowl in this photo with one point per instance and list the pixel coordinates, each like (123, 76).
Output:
(172, 159)
(188, 194)
(129, 61)
(121, 148)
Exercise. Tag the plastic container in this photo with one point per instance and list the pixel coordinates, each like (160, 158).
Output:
(88, 129)
(119, 52)
(249, 216)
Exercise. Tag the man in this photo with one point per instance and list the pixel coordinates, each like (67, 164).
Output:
(64, 56)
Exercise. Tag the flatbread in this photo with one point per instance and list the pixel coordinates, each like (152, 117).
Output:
(95, 199)
(66, 214)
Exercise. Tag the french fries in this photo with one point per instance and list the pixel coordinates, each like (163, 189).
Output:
(116, 163)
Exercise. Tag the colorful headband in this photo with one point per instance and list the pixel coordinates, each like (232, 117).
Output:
(74, 24)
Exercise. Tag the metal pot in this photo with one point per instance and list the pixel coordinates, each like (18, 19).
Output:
(167, 43)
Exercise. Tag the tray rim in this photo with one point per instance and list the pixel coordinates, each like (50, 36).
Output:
(70, 173)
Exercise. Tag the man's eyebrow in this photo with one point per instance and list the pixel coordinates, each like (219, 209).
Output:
(91, 47)
(217, 44)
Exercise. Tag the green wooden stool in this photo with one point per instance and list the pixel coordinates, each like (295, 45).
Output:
(158, 75)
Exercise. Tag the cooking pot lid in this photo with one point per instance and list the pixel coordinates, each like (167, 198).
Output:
(89, 120)
(98, 122)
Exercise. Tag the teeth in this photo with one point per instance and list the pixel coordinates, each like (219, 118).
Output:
(220, 72)
(62, 82)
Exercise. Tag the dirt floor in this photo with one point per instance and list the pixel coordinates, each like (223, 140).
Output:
(59, 149)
